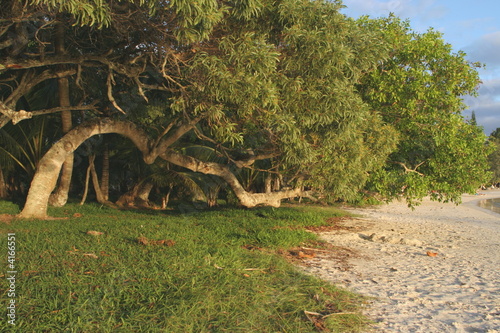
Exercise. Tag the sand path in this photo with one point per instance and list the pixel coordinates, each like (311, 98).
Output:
(457, 290)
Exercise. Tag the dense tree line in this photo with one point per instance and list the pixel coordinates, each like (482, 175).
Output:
(262, 100)
(494, 157)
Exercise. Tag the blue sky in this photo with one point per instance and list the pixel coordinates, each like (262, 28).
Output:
(470, 26)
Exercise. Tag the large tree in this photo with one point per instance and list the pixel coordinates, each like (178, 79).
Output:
(255, 81)
(290, 89)
(419, 89)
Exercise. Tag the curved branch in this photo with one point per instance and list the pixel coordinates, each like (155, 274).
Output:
(29, 80)
(45, 178)
(17, 116)
(247, 199)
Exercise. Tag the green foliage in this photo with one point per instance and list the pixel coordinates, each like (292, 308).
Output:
(216, 277)
(494, 157)
(85, 12)
(419, 91)
(292, 90)
(89, 12)
(21, 148)
(335, 102)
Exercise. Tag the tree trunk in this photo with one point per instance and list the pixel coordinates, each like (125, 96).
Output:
(166, 198)
(245, 198)
(86, 189)
(3, 186)
(105, 173)
(143, 194)
(97, 187)
(45, 178)
(60, 196)
(268, 183)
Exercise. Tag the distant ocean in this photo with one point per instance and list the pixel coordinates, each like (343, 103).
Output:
(491, 204)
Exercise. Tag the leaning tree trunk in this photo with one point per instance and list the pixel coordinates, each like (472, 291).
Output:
(86, 187)
(142, 199)
(97, 186)
(45, 178)
(245, 198)
(60, 196)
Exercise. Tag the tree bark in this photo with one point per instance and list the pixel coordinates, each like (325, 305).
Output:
(97, 187)
(86, 189)
(143, 194)
(3, 186)
(45, 178)
(245, 198)
(105, 173)
(165, 199)
(60, 196)
(268, 183)
(48, 169)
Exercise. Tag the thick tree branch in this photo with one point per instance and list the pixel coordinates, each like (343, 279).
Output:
(29, 80)
(84, 60)
(8, 114)
(247, 199)
(17, 116)
(48, 169)
(161, 146)
(251, 160)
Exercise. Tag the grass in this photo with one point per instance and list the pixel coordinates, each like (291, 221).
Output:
(220, 271)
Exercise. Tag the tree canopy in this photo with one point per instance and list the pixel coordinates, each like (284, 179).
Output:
(419, 89)
(290, 97)
(494, 157)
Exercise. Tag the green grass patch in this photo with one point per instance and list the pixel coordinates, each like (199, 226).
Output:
(203, 277)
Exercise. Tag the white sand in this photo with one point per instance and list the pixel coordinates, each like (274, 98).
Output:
(458, 290)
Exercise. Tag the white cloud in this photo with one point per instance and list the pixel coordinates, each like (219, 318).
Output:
(486, 50)
(486, 106)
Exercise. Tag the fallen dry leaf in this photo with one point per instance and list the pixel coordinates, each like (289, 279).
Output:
(166, 242)
(94, 233)
(91, 255)
(303, 254)
(432, 254)
(144, 241)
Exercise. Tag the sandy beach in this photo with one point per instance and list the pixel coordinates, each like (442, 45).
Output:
(434, 269)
